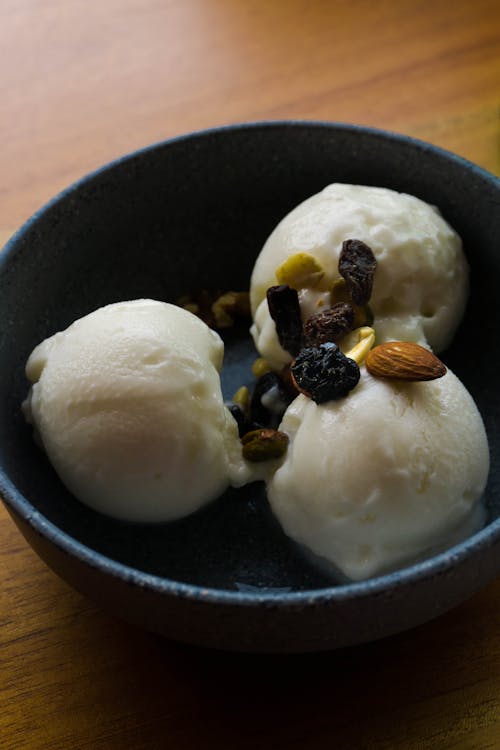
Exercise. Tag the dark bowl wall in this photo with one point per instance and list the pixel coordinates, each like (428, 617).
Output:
(304, 624)
(194, 213)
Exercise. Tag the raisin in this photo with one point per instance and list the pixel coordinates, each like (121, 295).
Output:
(269, 400)
(330, 325)
(357, 265)
(284, 308)
(324, 373)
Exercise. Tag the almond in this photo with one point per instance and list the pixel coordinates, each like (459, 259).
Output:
(404, 360)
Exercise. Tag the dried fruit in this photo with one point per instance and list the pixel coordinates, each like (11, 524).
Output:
(284, 308)
(357, 265)
(300, 270)
(330, 325)
(357, 345)
(269, 400)
(263, 445)
(339, 292)
(404, 360)
(323, 373)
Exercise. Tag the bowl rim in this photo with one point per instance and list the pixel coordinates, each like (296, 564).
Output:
(410, 575)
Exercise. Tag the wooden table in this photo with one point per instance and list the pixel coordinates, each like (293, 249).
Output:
(82, 82)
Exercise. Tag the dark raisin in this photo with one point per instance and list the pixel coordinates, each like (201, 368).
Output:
(284, 308)
(330, 325)
(269, 401)
(357, 265)
(324, 373)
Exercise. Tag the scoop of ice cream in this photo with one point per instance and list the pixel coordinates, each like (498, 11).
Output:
(421, 282)
(128, 405)
(383, 476)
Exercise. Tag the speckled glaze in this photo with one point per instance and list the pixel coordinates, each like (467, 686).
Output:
(189, 213)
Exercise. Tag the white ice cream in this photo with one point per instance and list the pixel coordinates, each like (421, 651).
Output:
(421, 282)
(383, 476)
(128, 404)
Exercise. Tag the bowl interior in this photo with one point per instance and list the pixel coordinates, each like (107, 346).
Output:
(193, 214)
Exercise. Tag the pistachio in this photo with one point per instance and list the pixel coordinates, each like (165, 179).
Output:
(229, 306)
(222, 319)
(217, 310)
(192, 307)
(339, 292)
(300, 270)
(263, 445)
(242, 398)
(200, 304)
(260, 366)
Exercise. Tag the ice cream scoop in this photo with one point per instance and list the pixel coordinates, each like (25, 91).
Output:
(390, 473)
(421, 281)
(128, 405)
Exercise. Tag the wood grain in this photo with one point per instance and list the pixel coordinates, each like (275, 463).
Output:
(83, 82)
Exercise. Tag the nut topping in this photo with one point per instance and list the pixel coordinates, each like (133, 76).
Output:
(263, 445)
(216, 309)
(300, 270)
(229, 306)
(242, 398)
(404, 360)
(260, 366)
(357, 345)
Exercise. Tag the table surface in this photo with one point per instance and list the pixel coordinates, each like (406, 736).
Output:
(82, 82)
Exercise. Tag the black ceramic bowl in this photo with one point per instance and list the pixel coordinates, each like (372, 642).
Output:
(193, 212)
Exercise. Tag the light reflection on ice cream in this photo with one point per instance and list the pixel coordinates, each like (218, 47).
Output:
(128, 405)
(421, 283)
